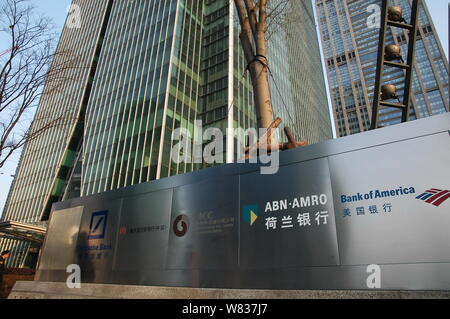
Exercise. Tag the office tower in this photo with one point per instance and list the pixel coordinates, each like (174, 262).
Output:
(350, 37)
(41, 156)
(150, 67)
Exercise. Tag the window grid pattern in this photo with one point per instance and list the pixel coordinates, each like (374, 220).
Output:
(341, 19)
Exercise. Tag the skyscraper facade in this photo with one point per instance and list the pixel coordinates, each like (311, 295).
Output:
(60, 102)
(350, 37)
(147, 68)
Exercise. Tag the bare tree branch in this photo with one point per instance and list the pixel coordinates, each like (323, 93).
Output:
(26, 67)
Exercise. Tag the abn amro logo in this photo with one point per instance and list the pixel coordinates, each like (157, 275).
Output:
(435, 196)
(97, 227)
(251, 214)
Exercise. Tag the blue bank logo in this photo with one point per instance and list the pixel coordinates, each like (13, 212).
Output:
(97, 227)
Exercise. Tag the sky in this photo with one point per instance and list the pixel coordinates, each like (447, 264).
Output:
(57, 10)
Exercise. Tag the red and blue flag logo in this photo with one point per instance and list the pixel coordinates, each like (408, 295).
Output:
(435, 196)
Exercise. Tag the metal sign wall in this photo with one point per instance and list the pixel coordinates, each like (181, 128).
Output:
(332, 210)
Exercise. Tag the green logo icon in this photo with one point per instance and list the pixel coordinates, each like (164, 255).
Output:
(251, 214)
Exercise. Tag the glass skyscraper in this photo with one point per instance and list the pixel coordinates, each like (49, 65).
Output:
(350, 37)
(144, 69)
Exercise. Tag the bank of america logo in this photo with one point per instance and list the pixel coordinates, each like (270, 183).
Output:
(251, 214)
(435, 196)
(97, 227)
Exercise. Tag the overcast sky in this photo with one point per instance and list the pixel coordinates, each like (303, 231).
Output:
(57, 10)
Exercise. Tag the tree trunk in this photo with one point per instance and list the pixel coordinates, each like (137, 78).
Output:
(261, 92)
(253, 40)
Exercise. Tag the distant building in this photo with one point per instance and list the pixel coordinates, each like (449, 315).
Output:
(350, 44)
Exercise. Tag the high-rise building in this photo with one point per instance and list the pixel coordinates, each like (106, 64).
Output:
(350, 38)
(144, 69)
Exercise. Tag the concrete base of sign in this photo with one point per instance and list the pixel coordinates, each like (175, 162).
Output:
(47, 290)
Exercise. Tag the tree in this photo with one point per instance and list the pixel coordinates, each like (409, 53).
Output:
(253, 20)
(25, 67)
(259, 19)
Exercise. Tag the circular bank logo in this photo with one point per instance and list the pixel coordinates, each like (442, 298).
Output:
(181, 225)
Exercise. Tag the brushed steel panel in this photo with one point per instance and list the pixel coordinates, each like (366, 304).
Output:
(143, 232)
(305, 244)
(61, 242)
(223, 248)
(211, 241)
(97, 239)
(414, 231)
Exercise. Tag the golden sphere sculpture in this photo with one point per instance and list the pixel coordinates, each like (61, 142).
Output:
(395, 13)
(388, 92)
(393, 52)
